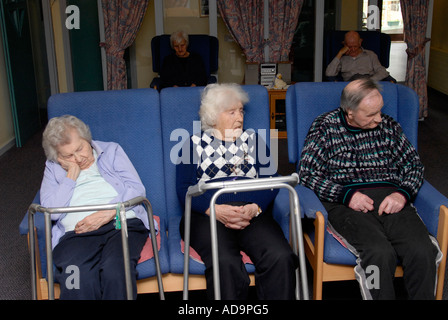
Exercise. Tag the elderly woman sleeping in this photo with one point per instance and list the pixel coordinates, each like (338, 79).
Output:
(81, 171)
(226, 151)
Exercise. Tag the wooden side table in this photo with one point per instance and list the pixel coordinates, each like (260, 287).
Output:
(277, 110)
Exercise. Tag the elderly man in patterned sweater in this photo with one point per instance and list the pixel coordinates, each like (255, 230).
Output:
(366, 173)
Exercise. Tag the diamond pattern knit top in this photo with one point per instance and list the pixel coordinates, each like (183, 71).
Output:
(212, 159)
(337, 159)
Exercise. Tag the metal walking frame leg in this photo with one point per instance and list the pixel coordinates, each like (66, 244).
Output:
(32, 244)
(125, 244)
(297, 241)
(187, 223)
(242, 186)
(124, 236)
(155, 249)
(50, 278)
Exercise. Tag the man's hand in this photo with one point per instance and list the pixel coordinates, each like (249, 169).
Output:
(393, 203)
(342, 52)
(361, 202)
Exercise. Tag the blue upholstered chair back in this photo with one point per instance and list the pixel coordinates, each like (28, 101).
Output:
(307, 100)
(114, 116)
(179, 109)
(132, 119)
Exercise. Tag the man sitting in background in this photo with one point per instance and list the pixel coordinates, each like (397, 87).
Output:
(354, 62)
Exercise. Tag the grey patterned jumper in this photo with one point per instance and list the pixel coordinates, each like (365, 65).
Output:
(337, 159)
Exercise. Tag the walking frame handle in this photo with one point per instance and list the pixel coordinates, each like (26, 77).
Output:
(34, 208)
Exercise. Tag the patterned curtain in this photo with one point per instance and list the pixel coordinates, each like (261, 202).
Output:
(122, 20)
(244, 19)
(415, 18)
(283, 15)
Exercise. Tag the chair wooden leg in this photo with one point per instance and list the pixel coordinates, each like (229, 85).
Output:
(318, 253)
(442, 238)
(319, 225)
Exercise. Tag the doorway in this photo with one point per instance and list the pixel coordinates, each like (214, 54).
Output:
(25, 59)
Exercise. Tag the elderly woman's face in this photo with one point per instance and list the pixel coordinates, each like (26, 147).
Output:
(77, 151)
(181, 48)
(230, 122)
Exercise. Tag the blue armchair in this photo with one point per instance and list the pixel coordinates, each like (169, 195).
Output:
(184, 103)
(328, 258)
(132, 119)
(205, 45)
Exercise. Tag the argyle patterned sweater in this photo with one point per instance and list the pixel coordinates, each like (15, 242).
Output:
(337, 159)
(211, 160)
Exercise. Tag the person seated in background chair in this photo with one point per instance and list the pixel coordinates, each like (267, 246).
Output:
(182, 68)
(353, 62)
(81, 171)
(366, 173)
(225, 151)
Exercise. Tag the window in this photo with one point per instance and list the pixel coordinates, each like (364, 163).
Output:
(391, 18)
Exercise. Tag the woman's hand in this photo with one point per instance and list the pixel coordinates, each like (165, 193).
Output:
(72, 168)
(95, 221)
(251, 209)
(235, 217)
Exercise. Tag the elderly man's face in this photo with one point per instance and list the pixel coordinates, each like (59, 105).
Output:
(353, 42)
(230, 122)
(368, 113)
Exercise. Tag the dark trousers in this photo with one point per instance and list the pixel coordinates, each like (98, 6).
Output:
(263, 241)
(98, 255)
(380, 242)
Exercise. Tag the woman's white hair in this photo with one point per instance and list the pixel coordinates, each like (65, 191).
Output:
(57, 131)
(217, 98)
(178, 36)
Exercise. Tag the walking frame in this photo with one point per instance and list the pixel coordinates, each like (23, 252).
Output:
(124, 237)
(222, 187)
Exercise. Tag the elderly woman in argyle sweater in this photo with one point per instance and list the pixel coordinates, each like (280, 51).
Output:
(225, 151)
(361, 165)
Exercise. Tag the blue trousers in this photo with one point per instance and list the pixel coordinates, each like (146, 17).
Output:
(98, 256)
(381, 242)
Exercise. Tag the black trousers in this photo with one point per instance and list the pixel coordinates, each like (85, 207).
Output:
(263, 241)
(380, 242)
(98, 256)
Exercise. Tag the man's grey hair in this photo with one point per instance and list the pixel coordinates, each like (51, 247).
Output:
(217, 98)
(178, 36)
(57, 133)
(357, 90)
